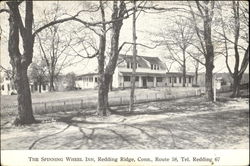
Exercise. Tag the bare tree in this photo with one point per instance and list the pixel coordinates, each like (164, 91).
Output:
(118, 15)
(131, 103)
(21, 61)
(205, 13)
(53, 51)
(54, 43)
(100, 28)
(177, 40)
(238, 27)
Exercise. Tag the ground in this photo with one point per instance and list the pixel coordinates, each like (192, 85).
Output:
(190, 123)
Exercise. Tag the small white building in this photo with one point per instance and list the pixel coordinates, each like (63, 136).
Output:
(7, 86)
(87, 81)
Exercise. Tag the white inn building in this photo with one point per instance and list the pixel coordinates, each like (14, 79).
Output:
(150, 72)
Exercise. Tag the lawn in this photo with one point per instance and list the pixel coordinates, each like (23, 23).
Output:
(70, 100)
(86, 94)
(190, 123)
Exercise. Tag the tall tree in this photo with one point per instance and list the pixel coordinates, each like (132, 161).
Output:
(53, 46)
(21, 61)
(117, 17)
(131, 103)
(103, 86)
(100, 28)
(236, 26)
(177, 40)
(205, 12)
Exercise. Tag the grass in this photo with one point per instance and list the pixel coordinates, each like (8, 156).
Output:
(70, 100)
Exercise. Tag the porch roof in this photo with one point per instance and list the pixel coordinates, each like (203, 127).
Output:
(87, 74)
(177, 74)
(144, 74)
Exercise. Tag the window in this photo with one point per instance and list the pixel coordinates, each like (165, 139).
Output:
(159, 79)
(90, 79)
(170, 80)
(190, 79)
(150, 79)
(95, 79)
(155, 67)
(174, 79)
(8, 85)
(2, 87)
(126, 78)
(136, 78)
(179, 79)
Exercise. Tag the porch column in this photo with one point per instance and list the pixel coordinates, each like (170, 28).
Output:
(154, 81)
(140, 81)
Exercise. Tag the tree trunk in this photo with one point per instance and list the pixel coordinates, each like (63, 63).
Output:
(209, 82)
(102, 94)
(184, 69)
(40, 88)
(209, 55)
(132, 93)
(20, 62)
(51, 83)
(25, 112)
(184, 75)
(236, 85)
(106, 76)
(111, 83)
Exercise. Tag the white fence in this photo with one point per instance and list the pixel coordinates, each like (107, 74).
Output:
(74, 104)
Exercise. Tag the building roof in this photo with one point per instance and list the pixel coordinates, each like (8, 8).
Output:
(143, 61)
(178, 74)
(144, 74)
(87, 74)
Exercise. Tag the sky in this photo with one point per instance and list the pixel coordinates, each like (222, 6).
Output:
(148, 25)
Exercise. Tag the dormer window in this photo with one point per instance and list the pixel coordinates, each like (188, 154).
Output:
(155, 67)
(130, 65)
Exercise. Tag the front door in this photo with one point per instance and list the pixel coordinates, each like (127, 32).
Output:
(144, 81)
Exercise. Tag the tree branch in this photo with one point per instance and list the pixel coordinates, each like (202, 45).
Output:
(4, 10)
(124, 43)
(245, 61)
(196, 58)
(54, 22)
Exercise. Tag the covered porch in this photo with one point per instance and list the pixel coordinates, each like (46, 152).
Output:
(142, 80)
